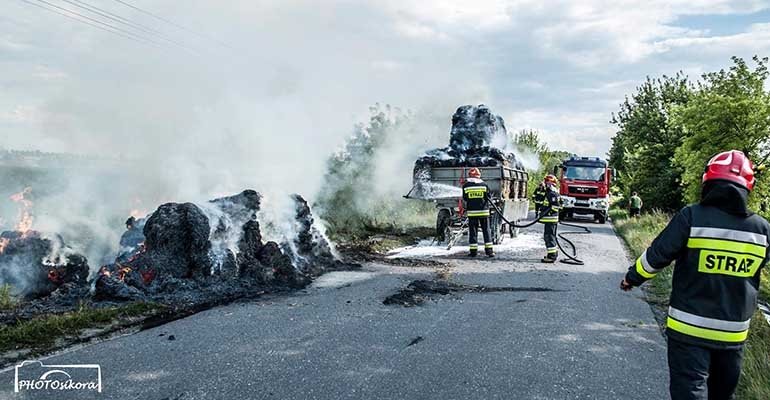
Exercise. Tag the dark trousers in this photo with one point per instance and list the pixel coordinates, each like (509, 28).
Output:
(473, 233)
(700, 373)
(549, 235)
(634, 212)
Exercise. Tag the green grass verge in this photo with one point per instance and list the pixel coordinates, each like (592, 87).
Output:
(638, 233)
(7, 300)
(755, 377)
(41, 333)
(378, 240)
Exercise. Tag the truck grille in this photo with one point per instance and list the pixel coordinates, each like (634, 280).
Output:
(583, 190)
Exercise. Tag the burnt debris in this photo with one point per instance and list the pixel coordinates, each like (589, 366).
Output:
(419, 291)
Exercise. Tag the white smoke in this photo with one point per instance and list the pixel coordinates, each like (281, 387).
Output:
(263, 112)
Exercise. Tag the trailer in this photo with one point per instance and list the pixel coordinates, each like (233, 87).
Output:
(442, 186)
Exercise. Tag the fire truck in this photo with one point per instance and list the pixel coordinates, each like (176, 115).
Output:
(584, 187)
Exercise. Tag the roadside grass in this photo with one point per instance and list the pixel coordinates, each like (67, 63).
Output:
(380, 240)
(638, 233)
(41, 333)
(7, 300)
(755, 376)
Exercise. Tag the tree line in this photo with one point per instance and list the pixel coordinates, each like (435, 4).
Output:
(671, 126)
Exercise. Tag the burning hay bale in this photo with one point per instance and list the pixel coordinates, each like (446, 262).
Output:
(35, 266)
(191, 247)
(478, 139)
(132, 240)
(176, 245)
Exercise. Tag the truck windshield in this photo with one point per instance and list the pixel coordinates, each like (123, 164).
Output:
(585, 173)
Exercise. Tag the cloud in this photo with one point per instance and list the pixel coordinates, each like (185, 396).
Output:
(293, 77)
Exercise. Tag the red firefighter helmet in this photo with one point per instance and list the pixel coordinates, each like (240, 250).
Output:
(474, 173)
(731, 166)
(550, 179)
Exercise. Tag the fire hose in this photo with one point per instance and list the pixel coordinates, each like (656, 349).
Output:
(571, 258)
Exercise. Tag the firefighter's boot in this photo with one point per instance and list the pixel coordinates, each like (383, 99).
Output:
(549, 259)
(490, 253)
(473, 253)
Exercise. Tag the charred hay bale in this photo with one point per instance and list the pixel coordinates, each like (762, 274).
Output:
(228, 216)
(313, 250)
(177, 241)
(35, 266)
(474, 127)
(249, 249)
(283, 270)
(240, 207)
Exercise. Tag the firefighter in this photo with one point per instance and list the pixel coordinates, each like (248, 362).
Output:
(549, 208)
(719, 247)
(476, 198)
(538, 197)
(635, 205)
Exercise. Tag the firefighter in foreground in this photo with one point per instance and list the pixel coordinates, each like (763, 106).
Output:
(719, 247)
(548, 203)
(476, 198)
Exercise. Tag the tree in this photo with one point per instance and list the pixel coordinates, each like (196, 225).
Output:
(643, 148)
(528, 144)
(729, 110)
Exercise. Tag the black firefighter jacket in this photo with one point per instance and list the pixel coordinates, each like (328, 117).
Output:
(719, 248)
(476, 197)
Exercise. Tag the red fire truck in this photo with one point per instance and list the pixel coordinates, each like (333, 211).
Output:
(585, 187)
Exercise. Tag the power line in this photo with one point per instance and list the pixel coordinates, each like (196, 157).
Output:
(111, 28)
(127, 36)
(158, 17)
(124, 21)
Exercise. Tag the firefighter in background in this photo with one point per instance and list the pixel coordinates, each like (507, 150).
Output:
(538, 197)
(549, 205)
(476, 199)
(635, 205)
(719, 247)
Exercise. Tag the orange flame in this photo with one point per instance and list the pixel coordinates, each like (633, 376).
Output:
(25, 218)
(3, 242)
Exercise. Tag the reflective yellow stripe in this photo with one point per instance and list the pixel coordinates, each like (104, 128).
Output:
(703, 333)
(478, 213)
(641, 271)
(549, 219)
(727, 245)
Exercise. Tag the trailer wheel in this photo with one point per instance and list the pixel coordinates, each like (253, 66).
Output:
(443, 220)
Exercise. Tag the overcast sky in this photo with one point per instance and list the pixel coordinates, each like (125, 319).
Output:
(249, 78)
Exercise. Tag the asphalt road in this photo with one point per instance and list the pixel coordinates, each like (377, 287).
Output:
(336, 340)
